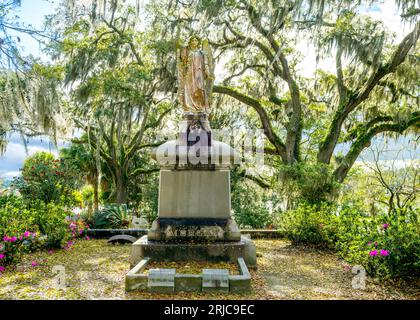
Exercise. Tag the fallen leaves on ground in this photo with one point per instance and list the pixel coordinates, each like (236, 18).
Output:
(96, 270)
(192, 267)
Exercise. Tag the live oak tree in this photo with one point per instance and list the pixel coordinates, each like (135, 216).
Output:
(372, 92)
(110, 72)
(120, 69)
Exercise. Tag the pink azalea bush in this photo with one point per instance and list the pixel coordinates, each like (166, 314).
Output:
(25, 228)
(386, 246)
(14, 246)
(384, 253)
(77, 228)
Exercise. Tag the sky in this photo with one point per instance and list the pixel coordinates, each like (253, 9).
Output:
(33, 12)
(12, 160)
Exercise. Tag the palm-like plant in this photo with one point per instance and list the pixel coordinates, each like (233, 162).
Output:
(112, 216)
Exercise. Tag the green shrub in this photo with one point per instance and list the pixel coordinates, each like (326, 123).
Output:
(15, 217)
(19, 232)
(250, 204)
(25, 228)
(18, 217)
(46, 179)
(148, 206)
(251, 214)
(51, 221)
(311, 224)
(386, 246)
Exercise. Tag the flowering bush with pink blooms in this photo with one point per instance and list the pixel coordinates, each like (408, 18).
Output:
(27, 227)
(12, 247)
(385, 245)
(76, 227)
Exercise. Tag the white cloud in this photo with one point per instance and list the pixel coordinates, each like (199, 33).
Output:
(388, 164)
(12, 160)
(9, 174)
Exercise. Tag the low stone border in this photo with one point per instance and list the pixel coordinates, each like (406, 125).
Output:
(107, 233)
(168, 281)
(263, 233)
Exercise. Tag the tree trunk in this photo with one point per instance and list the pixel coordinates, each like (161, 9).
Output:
(96, 193)
(120, 188)
(121, 194)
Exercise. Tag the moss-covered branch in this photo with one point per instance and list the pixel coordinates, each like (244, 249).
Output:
(265, 120)
(360, 95)
(140, 171)
(365, 136)
(258, 180)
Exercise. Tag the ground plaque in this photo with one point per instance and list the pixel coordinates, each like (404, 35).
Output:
(215, 280)
(161, 280)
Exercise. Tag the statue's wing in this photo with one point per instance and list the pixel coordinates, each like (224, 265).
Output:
(210, 69)
(207, 51)
(182, 55)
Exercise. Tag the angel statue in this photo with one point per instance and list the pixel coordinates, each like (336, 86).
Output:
(195, 76)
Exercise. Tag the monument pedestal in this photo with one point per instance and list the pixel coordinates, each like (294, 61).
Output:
(194, 214)
(196, 251)
(194, 205)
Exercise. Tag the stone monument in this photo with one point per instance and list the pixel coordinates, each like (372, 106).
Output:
(194, 213)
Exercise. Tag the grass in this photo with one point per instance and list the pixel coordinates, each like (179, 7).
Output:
(96, 270)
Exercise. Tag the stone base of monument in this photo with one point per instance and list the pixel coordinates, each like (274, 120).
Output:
(194, 229)
(194, 205)
(169, 281)
(190, 251)
(194, 217)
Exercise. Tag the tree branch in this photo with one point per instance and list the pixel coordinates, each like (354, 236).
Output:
(364, 139)
(259, 181)
(353, 101)
(139, 171)
(265, 120)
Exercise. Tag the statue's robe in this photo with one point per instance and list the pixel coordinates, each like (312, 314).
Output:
(194, 85)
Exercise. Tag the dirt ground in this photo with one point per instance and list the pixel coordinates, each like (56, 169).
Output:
(95, 270)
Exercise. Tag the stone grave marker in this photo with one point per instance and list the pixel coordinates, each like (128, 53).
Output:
(161, 280)
(215, 280)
